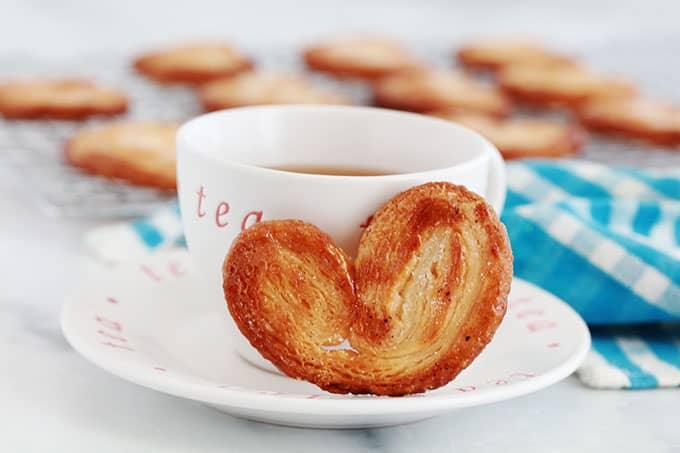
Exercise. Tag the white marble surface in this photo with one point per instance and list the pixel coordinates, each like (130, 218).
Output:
(53, 400)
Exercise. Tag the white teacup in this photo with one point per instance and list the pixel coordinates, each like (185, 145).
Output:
(225, 180)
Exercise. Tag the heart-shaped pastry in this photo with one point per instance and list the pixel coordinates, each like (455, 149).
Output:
(424, 296)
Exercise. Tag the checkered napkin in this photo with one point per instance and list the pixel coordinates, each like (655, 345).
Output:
(606, 240)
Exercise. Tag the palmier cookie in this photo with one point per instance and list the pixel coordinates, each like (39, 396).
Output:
(561, 85)
(646, 119)
(520, 138)
(193, 63)
(497, 54)
(364, 58)
(141, 153)
(264, 88)
(422, 299)
(68, 99)
(423, 91)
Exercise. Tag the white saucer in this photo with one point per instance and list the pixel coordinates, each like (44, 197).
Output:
(149, 322)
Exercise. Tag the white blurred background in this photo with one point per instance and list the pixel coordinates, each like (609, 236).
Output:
(63, 28)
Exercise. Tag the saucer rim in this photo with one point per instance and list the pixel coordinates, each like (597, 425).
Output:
(367, 405)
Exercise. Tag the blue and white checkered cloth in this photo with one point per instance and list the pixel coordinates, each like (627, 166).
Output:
(606, 240)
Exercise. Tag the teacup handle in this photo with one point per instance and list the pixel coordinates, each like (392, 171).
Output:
(496, 186)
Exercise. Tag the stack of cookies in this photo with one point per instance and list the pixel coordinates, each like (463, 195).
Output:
(496, 78)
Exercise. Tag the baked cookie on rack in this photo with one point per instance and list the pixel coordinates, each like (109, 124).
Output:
(139, 152)
(261, 88)
(428, 90)
(497, 54)
(561, 85)
(639, 118)
(68, 99)
(422, 299)
(523, 138)
(363, 58)
(193, 63)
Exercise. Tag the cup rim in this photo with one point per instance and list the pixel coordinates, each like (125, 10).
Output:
(184, 129)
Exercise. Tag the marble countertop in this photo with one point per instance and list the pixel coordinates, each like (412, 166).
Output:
(53, 400)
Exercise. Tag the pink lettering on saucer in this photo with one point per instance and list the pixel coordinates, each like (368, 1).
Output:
(110, 332)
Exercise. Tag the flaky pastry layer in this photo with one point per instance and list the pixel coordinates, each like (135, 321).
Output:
(423, 298)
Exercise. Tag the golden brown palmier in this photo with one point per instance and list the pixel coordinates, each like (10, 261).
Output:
(423, 91)
(568, 86)
(641, 118)
(260, 88)
(363, 58)
(193, 63)
(497, 54)
(68, 99)
(142, 153)
(523, 138)
(423, 298)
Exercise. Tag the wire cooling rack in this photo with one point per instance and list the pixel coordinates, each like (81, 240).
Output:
(32, 151)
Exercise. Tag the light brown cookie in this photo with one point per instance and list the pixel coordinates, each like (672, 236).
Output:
(423, 298)
(646, 119)
(363, 58)
(497, 54)
(522, 138)
(561, 85)
(261, 88)
(193, 63)
(68, 99)
(142, 153)
(423, 91)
